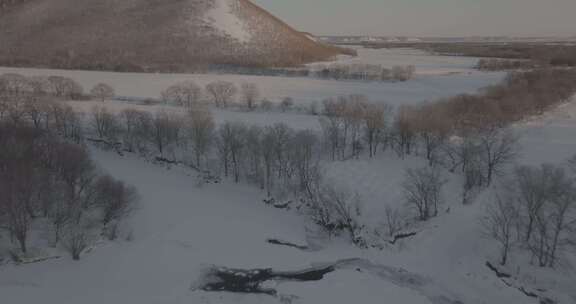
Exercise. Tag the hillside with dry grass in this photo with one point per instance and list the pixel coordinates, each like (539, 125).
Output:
(149, 35)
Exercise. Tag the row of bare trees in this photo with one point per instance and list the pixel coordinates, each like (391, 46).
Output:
(493, 64)
(221, 93)
(334, 71)
(351, 122)
(281, 161)
(364, 72)
(18, 86)
(41, 112)
(56, 86)
(535, 211)
(263, 155)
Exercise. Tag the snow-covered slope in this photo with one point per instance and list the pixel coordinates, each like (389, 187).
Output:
(169, 35)
(223, 17)
(180, 229)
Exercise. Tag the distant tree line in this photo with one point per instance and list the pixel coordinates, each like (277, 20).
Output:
(492, 65)
(334, 71)
(543, 54)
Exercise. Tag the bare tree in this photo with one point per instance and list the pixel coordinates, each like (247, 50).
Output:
(498, 149)
(375, 123)
(331, 134)
(423, 191)
(286, 104)
(16, 191)
(268, 157)
(500, 223)
(37, 110)
(393, 221)
(64, 87)
(66, 122)
(165, 132)
(433, 129)
(404, 130)
(187, 94)
(336, 211)
(129, 123)
(354, 111)
(348, 210)
(12, 84)
(265, 104)
(303, 158)
(106, 125)
(200, 130)
(22, 148)
(250, 95)
(102, 91)
(531, 190)
(74, 168)
(115, 199)
(572, 164)
(76, 239)
(38, 85)
(254, 153)
(562, 218)
(221, 92)
(282, 135)
(231, 144)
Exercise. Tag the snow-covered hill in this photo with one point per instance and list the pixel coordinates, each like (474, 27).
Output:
(170, 35)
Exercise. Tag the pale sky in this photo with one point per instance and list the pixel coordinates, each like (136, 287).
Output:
(428, 17)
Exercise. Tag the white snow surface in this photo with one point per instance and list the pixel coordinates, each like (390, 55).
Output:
(180, 228)
(302, 90)
(222, 16)
(425, 63)
(437, 77)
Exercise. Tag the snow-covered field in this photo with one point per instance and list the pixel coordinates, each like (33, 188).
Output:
(428, 85)
(181, 228)
(425, 64)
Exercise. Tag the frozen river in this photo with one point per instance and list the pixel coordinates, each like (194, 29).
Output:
(437, 77)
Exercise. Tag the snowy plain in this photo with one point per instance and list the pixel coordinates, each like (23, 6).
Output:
(437, 77)
(181, 228)
(425, 63)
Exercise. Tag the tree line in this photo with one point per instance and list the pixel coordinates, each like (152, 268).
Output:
(334, 71)
(285, 162)
(541, 54)
(493, 64)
